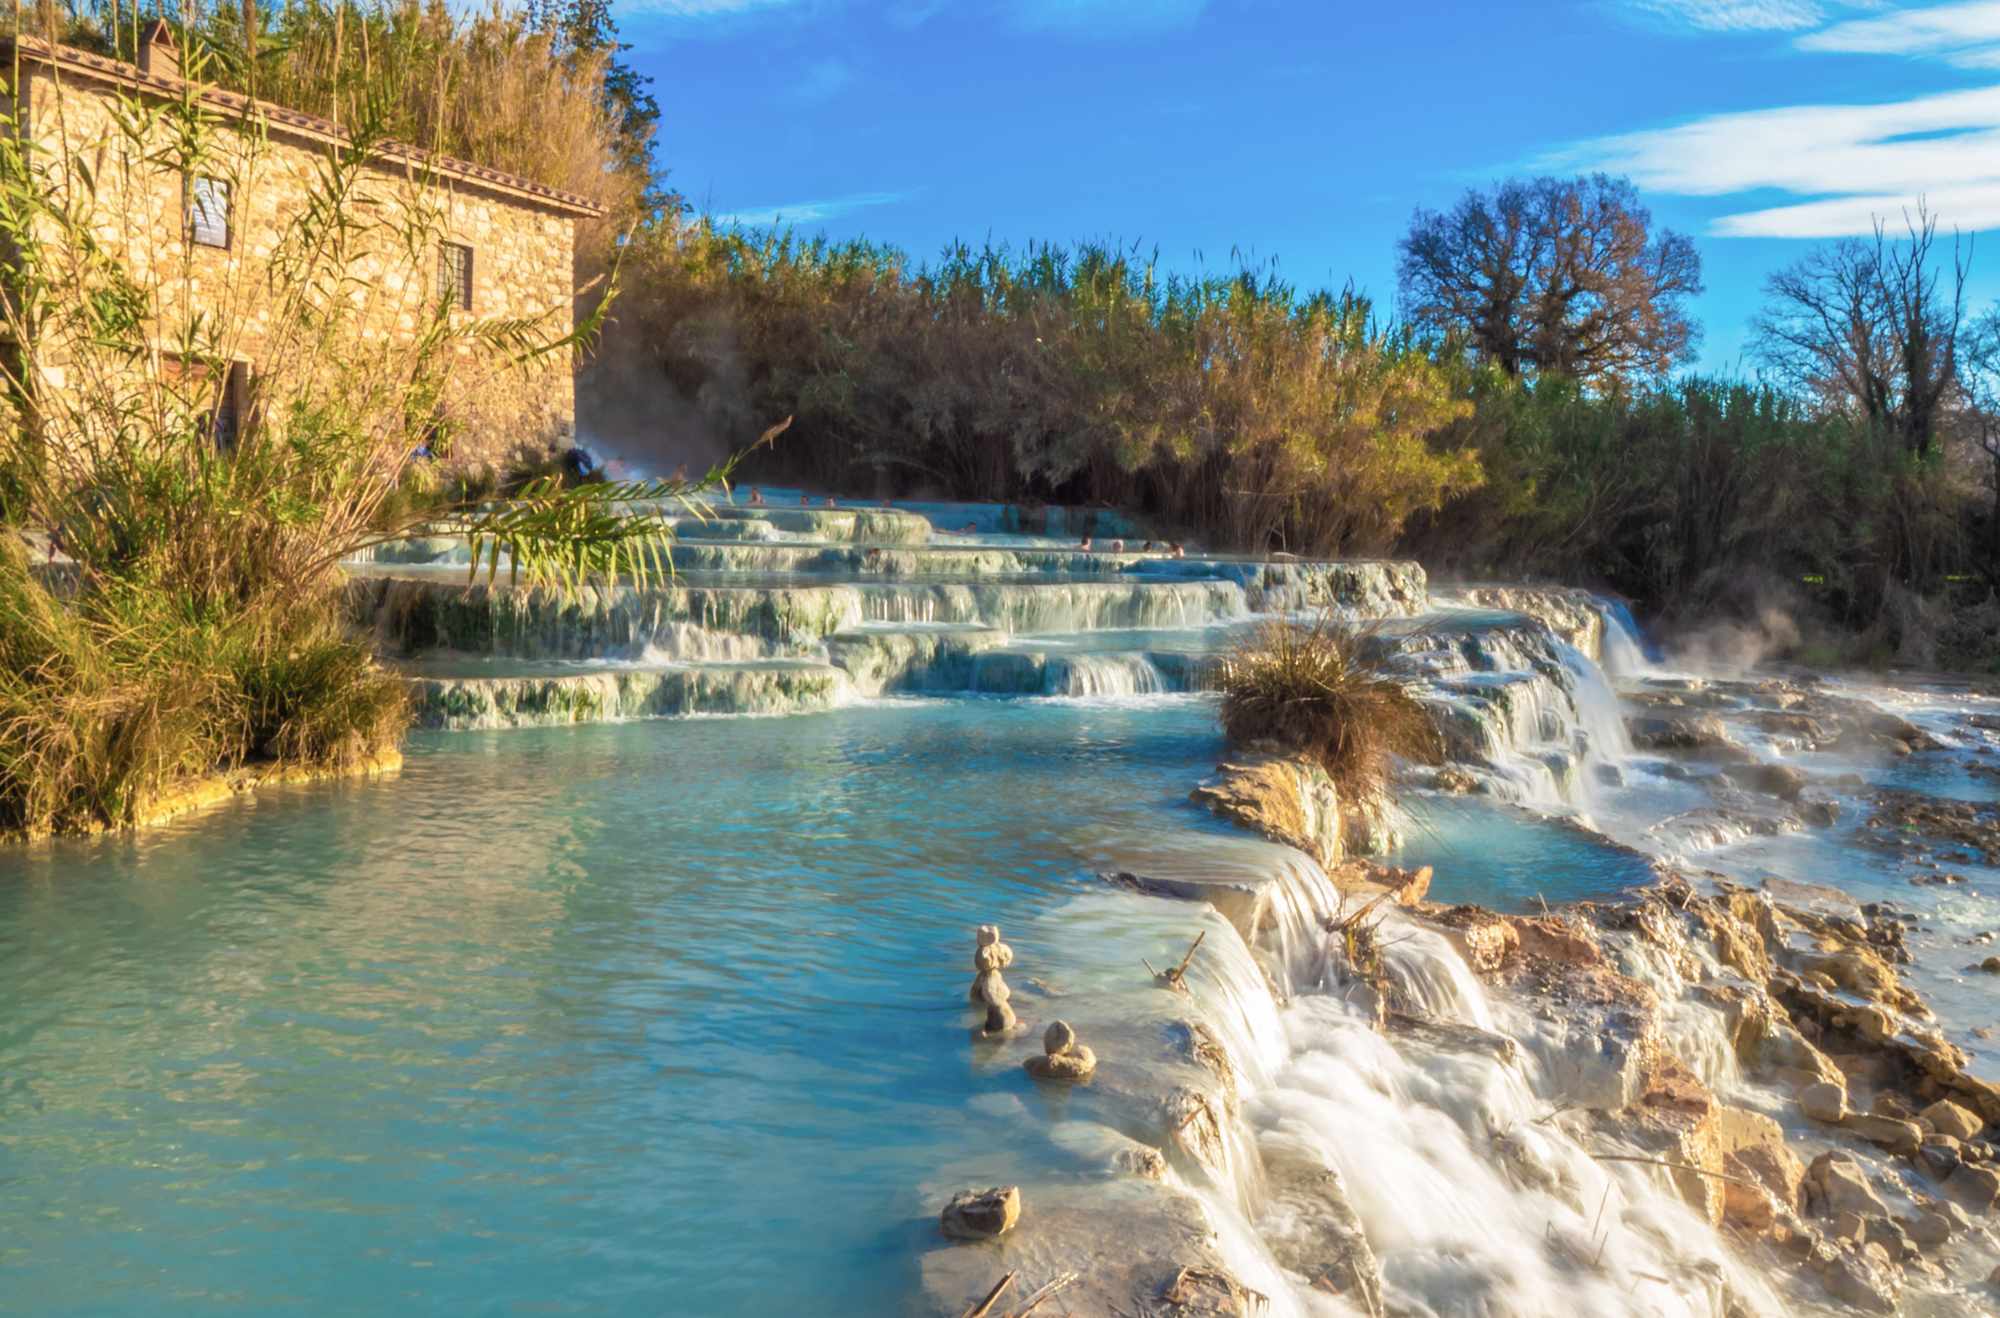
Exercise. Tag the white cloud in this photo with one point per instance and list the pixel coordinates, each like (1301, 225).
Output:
(1735, 15)
(1847, 164)
(808, 212)
(1964, 34)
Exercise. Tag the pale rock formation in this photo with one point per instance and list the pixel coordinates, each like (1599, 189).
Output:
(1062, 1057)
(1953, 1119)
(1824, 1102)
(989, 957)
(981, 1214)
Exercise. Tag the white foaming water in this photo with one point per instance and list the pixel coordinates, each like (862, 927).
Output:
(1472, 1199)
(1104, 675)
(1624, 649)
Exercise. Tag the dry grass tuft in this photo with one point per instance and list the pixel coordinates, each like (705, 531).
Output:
(1317, 689)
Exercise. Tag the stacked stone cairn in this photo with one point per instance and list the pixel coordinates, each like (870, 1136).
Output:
(989, 957)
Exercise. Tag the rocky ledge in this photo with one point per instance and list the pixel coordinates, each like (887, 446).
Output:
(1870, 1172)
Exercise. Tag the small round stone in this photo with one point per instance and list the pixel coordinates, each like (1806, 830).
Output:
(1058, 1039)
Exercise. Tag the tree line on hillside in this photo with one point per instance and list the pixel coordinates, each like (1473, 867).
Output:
(1521, 415)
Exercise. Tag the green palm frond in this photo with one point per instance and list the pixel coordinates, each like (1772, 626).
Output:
(566, 536)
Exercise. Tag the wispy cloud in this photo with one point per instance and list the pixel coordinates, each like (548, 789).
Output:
(809, 212)
(1847, 164)
(1964, 34)
(1733, 15)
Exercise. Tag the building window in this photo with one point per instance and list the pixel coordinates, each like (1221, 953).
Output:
(208, 211)
(455, 274)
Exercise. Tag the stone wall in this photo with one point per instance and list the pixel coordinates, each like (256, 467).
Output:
(125, 173)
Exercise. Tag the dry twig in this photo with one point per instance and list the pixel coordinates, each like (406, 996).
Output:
(980, 1309)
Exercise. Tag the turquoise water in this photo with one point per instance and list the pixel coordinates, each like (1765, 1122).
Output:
(561, 1021)
(1499, 855)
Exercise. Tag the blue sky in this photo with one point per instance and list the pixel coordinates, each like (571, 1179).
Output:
(1308, 130)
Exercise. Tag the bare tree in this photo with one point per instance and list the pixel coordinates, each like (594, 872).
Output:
(1550, 275)
(1872, 326)
(1979, 373)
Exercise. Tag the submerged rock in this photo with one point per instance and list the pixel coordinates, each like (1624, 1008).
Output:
(1864, 1277)
(1062, 1057)
(1973, 1188)
(981, 1214)
(1779, 780)
(1835, 1183)
(1953, 1119)
(1311, 1226)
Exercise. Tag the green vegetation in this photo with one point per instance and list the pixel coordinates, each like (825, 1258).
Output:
(1523, 421)
(1318, 689)
(1241, 408)
(188, 616)
(537, 90)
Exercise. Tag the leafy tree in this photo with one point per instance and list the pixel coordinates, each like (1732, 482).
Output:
(1553, 276)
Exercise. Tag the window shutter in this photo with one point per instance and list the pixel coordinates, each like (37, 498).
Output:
(208, 211)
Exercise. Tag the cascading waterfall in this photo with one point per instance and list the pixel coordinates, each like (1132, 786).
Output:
(1470, 1198)
(1626, 653)
(1534, 716)
(1100, 675)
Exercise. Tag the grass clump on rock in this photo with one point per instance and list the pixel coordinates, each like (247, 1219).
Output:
(1318, 689)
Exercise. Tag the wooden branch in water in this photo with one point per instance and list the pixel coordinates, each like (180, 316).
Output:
(1181, 970)
(1678, 1167)
(1176, 978)
(980, 1309)
(1061, 1283)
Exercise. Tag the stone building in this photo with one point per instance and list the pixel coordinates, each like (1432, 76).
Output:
(205, 232)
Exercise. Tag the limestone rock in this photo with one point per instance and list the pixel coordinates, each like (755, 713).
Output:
(1288, 800)
(1779, 780)
(982, 1214)
(1929, 1230)
(1836, 1184)
(1754, 1149)
(1973, 1188)
(1556, 939)
(1902, 1137)
(1864, 1278)
(1062, 1057)
(1939, 1156)
(1484, 940)
(1824, 1102)
(1949, 1118)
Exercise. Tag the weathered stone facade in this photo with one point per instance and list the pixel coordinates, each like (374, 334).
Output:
(89, 120)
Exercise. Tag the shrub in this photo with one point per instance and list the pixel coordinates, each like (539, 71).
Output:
(194, 622)
(1319, 689)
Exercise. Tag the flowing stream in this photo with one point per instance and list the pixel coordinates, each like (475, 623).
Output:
(642, 1017)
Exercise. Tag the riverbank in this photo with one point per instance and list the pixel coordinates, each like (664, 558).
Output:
(193, 796)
